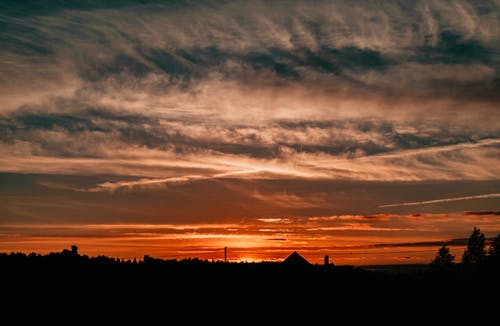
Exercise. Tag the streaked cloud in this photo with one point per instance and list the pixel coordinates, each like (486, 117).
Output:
(483, 213)
(152, 166)
(444, 200)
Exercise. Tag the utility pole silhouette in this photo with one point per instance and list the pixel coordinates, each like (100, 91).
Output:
(225, 254)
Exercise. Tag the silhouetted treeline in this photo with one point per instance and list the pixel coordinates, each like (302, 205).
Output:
(91, 286)
(69, 279)
(475, 260)
(74, 268)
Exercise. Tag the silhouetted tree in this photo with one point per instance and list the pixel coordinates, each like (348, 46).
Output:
(474, 254)
(494, 251)
(443, 259)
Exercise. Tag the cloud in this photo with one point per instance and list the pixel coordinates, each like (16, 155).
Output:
(290, 200)
(444, 200)
(277, 105)
(143, 167)
(450, 242)
(141, 183)
(284, 90)
(274, 220)
(348, 217)
(330, 43)
(356, 227)
(480, 213)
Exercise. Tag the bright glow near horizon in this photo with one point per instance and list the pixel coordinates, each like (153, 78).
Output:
(354, 240)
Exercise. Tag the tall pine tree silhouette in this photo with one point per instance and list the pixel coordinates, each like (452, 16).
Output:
(474, 254)
(443, 259)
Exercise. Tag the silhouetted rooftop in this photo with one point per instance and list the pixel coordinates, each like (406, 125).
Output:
(296, 260)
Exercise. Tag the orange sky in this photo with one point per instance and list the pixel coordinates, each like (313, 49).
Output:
(348, 239)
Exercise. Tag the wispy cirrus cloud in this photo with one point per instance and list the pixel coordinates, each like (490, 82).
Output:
(155, 168)
(150, 48)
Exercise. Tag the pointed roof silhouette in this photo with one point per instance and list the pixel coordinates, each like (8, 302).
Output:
(296, 260)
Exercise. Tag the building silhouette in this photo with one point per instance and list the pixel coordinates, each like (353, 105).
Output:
(296, 260)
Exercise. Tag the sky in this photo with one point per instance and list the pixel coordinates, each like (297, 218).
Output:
(368, 131)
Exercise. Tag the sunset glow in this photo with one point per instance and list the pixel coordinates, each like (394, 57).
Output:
(349, 239)
(369, 132)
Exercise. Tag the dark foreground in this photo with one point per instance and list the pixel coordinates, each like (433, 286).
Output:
(71, 281)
